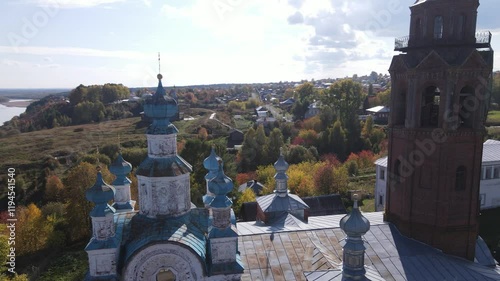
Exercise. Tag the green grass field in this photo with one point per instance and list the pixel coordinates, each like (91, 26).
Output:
(493, 118)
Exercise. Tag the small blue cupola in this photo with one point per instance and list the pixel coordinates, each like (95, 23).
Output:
(161, 109)
(354, 225)
(103, 247)
(123, 201)
(100, 194)
(211, 163)
(120, 168)
(220, 186)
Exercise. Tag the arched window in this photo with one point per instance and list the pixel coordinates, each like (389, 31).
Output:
(438, 27)
(165, 275)
(467, 104)
(460, 178)
(461, 26)
(429, 114)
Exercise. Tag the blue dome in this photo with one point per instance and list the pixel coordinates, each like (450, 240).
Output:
(211, 163)
(120, 168)
(160, 107)
(100, 193)
(281, 165)
(221, 184)
(355, 224)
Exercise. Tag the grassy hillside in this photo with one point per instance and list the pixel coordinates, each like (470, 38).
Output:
(33, 147)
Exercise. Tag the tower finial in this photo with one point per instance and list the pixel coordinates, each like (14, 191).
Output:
(159, 76)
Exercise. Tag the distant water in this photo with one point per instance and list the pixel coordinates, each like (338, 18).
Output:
(6, 112)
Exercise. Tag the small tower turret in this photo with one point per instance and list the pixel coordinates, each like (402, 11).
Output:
(281, 177)
(222, 234)
(354, 225)
(103, 246)
(211, 163)
(121, 168)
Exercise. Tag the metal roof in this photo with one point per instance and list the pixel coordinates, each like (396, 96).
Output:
(315, 250)
(379, 109)
(275, 203)
(381, 162)
(491, 151)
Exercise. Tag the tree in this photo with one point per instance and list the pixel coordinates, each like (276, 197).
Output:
(367, 127)
(346, 97)
(248, 152)
(53, 188)
(202, 133)
(338, 140)
(274, 144)
(298, 154)
(246, 196)
(78, 180)
(327, 117)
(305, 93)
(78, 95)
(261, 151)
(32, 230)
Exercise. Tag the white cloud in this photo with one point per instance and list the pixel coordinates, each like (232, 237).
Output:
(71, 51)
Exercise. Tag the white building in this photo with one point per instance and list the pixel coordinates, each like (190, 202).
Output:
(489, 189)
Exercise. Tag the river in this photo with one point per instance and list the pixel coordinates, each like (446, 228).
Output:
(7, 112)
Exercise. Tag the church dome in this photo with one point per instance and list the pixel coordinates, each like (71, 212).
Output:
(355, 224)
(281, 165)
(120, 168)
(100, 194)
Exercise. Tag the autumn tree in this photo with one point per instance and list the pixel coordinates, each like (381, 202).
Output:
(246, 196)
(53, 188)
(32, 230)
(78, 180)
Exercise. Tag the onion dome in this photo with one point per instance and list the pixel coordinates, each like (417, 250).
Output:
(220, 186)
(100, 193)
(281, 165)
(211, 163)
(161, 108)
(355, 224)
(281, 177)
(120, 168)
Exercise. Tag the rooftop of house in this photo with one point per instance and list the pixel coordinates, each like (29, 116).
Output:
(491, 151)
(313, 251)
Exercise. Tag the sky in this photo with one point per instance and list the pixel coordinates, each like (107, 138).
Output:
(65, 43)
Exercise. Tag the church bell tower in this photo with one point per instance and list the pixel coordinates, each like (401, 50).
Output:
(441, 84)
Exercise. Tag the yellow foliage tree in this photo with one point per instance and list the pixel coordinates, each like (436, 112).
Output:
(32, 230)
(53, 188)
(78, 180)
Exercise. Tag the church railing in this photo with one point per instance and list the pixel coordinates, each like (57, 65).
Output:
(483, 37)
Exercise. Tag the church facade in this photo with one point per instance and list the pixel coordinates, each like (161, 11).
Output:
(168, 238)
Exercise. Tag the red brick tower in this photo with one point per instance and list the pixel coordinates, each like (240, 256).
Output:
(439, 98)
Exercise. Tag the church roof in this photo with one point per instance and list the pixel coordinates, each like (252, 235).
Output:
(275, 203)
(314, 249)
(164, 167)
(188, 230)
